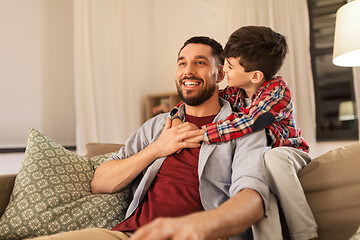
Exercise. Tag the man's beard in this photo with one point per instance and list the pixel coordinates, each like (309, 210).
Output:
(199, 98)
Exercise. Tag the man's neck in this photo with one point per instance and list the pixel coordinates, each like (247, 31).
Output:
(208, 108)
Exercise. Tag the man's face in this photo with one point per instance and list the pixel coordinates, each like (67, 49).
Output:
(196, 74)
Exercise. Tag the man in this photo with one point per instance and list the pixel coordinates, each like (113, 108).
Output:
(202, 192)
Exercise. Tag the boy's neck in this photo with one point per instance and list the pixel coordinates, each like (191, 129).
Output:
(253, 88)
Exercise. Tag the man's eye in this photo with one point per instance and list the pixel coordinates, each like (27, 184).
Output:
(181, 64)
(200, 63)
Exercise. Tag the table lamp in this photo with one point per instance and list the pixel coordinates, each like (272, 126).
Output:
(347, 35)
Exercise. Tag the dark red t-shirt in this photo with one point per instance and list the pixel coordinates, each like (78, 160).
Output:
(175, 189)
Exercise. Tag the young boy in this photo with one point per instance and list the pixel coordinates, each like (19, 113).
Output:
(253, 55)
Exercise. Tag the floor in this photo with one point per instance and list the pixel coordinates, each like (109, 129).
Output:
(10, 162)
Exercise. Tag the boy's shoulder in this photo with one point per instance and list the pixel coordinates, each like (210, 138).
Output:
(278, 80)
(274, 84)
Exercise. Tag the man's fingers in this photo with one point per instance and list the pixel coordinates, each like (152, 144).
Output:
(187, 126)
(151, 231)
(168, 123)
(190, 133)
(196, 139)
(189, 145)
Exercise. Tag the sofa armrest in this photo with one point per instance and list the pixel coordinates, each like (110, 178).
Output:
(6, 187)
(95, 149)
(331, 183)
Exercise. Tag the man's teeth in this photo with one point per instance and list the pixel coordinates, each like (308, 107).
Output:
(191, 84)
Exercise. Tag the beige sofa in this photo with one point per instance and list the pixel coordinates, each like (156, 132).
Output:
(331, 183)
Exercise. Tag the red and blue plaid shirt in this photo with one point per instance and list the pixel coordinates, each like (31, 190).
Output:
(271, 108)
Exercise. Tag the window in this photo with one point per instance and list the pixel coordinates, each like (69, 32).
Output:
(334, 88)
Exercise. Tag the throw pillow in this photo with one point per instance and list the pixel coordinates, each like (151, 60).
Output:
(52, 193)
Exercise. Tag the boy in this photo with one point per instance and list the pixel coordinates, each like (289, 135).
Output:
(253, 55)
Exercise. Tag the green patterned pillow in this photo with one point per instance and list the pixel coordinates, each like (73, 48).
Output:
(52, 193)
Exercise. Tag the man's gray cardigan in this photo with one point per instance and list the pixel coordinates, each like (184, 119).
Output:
(224, 169)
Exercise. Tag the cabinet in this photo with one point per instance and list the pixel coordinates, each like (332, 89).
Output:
(334, 86)
(159, 103)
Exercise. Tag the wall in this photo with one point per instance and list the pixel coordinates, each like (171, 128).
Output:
(36, 64)
(36, 71)
(57, 68)
(173, 22)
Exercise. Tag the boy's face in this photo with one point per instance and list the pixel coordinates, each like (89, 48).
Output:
(236, 74)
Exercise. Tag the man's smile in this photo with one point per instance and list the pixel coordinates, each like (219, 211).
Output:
(191, 82)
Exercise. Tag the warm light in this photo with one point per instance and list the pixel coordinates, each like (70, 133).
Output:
(346, 111)
(347, 35)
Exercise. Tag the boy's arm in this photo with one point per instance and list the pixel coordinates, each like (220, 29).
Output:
(274, 104)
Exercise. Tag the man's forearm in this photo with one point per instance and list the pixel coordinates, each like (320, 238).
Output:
(235, 215)
(231, 218)
(114, 175)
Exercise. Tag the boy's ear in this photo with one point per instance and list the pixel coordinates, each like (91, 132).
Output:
(221, 74)
(257, 76)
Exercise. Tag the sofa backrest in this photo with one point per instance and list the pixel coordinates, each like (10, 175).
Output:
(331, 183)
(6, 186)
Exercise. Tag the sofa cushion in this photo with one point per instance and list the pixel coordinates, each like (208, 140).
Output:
(52, 193)
(331, 183)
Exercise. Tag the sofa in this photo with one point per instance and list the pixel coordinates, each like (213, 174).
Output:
(331, 183)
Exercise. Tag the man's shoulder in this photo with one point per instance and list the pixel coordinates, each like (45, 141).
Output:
(157, 121)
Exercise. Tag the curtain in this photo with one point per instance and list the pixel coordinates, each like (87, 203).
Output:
(104, 92)
(356, 71)
(291, 19)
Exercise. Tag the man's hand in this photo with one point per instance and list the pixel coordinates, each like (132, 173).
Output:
(182, 228)
(196, 139)
(175, 122)
(172, 139)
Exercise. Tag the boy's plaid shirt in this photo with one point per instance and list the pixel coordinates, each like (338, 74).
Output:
(271, 108)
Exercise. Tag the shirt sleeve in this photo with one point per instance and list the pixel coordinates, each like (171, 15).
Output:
(272, 104)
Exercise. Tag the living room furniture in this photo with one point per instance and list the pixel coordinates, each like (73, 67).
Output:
(331, 183)
(161, 102)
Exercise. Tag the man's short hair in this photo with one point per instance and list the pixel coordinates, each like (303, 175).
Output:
(259, 48)
(217, 49)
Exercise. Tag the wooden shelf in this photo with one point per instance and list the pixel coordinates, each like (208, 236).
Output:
(161, 102)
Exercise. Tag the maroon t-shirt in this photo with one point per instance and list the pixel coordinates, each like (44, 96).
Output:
(175, 189)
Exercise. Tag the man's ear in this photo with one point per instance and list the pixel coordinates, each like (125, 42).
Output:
(257, 76)
(220, 74)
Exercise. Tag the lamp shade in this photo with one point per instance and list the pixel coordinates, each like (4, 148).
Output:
(346, 111)
(347, 35)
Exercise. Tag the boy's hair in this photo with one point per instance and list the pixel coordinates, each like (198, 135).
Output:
(217, 49)
(259, 48)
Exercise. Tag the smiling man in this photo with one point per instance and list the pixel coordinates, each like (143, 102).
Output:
(202, 192)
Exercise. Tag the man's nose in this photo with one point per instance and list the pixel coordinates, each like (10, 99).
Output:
(190, 69)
